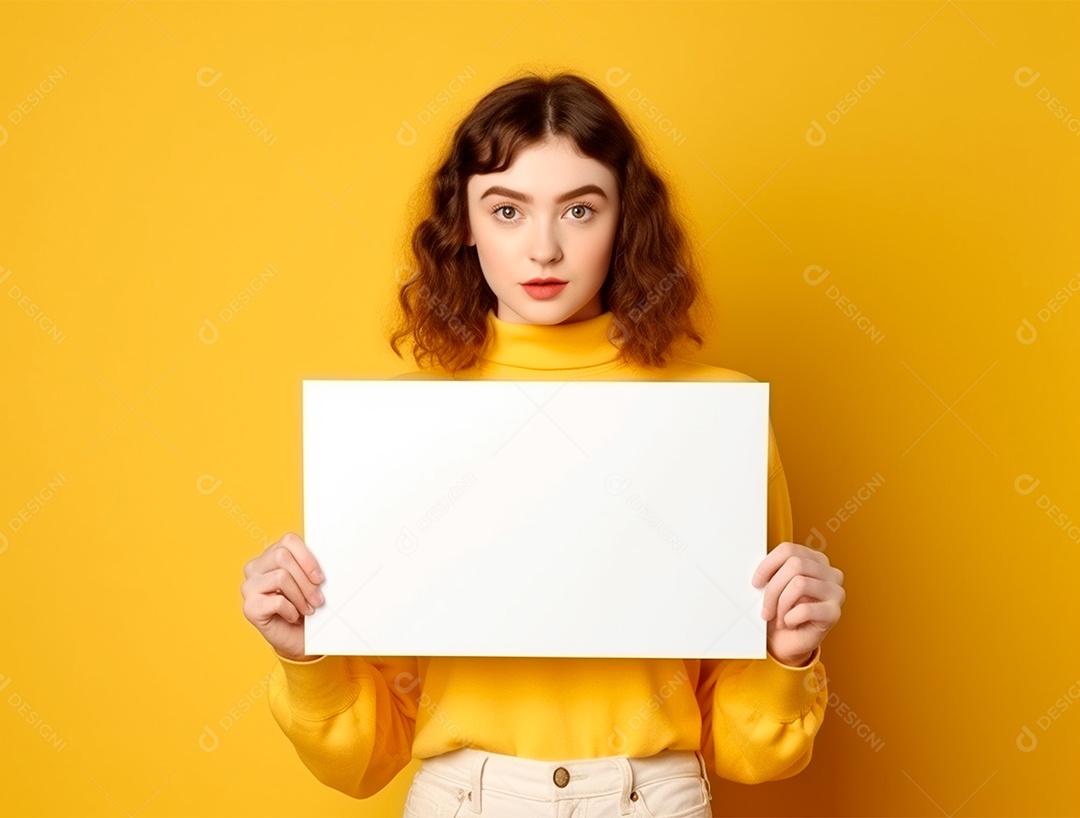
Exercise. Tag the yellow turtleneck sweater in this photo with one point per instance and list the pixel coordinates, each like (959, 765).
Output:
(356, 721)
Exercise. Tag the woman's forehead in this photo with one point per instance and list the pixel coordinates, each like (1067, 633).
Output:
(546, 171)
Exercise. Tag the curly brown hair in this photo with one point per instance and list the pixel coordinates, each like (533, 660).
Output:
(653, 279)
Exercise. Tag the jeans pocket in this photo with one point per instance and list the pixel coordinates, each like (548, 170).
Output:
(681, 797)
(433, 797)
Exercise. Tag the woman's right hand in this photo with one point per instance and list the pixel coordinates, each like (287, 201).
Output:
(280, 588)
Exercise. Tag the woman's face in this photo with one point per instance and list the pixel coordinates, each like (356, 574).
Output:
(534, 221)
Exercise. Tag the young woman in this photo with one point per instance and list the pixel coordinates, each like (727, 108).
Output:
(551, 251)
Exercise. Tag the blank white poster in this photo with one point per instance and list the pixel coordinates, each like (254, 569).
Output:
(536, 518)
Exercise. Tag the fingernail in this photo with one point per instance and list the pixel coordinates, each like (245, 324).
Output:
(317, 576)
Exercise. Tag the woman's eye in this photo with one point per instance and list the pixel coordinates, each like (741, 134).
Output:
(585, 211)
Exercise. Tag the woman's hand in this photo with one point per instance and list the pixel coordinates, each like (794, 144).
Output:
(803, 595)
(279, 589)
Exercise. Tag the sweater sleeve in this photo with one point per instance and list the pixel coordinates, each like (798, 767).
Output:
(350, 718)
(759, 716)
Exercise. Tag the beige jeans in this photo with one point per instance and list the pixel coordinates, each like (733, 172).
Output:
(469, 783)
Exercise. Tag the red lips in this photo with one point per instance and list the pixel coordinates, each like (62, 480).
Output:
(543, 289)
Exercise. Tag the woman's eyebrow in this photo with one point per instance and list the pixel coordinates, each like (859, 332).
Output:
(499, 190)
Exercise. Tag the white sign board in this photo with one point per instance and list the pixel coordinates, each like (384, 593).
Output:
(536, 518)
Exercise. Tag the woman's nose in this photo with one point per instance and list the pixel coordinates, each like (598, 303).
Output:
(545, 244)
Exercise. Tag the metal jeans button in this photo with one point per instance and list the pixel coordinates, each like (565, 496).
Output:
(562, 777)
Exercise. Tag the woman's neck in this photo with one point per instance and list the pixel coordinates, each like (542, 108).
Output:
(551, 346)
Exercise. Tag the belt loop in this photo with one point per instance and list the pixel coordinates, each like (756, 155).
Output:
(704, 772)
(479, 759)
(625, 807)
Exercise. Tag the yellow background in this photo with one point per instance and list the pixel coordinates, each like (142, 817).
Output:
(138, 208)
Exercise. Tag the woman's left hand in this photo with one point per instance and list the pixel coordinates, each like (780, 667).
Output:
(803, 595)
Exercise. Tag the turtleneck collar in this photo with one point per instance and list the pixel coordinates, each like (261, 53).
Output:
(557, 346)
